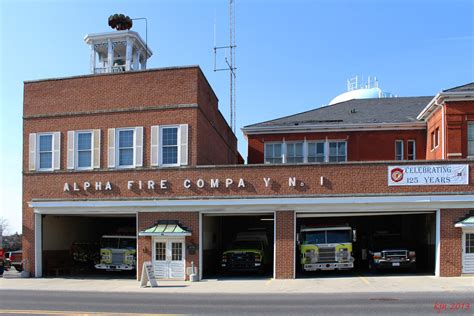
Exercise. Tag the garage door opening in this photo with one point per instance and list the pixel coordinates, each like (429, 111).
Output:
(237, 245)
(89, 246)
(402, 243)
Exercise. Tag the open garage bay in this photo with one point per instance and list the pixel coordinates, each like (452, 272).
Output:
(380, 244)
(74, 245)
(238, 245)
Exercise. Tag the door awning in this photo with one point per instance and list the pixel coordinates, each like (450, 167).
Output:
(166, 228)
(465, 223)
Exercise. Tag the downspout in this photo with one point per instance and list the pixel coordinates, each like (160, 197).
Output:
(444, 132)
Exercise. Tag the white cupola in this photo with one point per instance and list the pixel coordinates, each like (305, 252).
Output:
(117, 51)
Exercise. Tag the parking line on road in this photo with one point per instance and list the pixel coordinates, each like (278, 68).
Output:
(75, 313)
(364, 279)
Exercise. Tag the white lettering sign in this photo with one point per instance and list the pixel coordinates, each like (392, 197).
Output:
(428, 175)
(163, 184)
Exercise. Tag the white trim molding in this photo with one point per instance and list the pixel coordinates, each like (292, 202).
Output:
(332, 128)
(252, 205)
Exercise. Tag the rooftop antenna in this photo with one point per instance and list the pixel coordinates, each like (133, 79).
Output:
(146, 36)
(230, 61)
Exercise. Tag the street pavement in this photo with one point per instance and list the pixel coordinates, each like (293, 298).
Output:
(340, 294)
(348, 283)
(94, 303)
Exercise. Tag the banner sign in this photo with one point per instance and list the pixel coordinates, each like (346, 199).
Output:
(428, 175)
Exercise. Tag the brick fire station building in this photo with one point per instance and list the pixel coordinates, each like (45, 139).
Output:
(147, 152)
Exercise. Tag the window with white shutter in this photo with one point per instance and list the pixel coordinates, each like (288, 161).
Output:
(32, 152)
(169, 145)
(125, 147)
(183, 149)
(96, 147)
(44, 151)
(155, 145)
(111, 148)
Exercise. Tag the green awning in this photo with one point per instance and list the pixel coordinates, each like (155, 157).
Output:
(468, 222)
(166, 228)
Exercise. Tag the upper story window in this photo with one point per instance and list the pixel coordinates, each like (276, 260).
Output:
(44, 151)
(274, 153)
(399, 150)
(125, 147)
(470, 139)
(169, 145)
(435, 138)
(316, 152)
(84, 150)
(411, 150)
(337, 151)
(294, 152)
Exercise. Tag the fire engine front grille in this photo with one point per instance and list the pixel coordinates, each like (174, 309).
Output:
(242, 257)
(327, 254)
(117, 258)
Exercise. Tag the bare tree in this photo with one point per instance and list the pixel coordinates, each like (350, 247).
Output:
(4, 226)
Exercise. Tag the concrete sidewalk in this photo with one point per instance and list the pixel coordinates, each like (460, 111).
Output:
(346, 284)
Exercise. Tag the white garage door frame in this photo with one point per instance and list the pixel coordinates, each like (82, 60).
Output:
(38, 250)
(220, 213)
(466, 256)
(383, 213)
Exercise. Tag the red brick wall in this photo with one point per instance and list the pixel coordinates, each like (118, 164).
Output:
(285, 245)
(148, 88)
(212, 147)
(186, 219)
(113, 120)
(458, 114)
(433, 123)
(217, 143)
(451, 243)
(360, 144)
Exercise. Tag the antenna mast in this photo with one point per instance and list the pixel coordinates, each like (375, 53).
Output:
(230, 61)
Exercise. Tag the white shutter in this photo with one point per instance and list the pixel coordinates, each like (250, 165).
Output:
(111, 148)
(32, 152)
(138, 146)
(70, 149)
(155, 145)
(183, 149)
(96, 148)
(56, 150)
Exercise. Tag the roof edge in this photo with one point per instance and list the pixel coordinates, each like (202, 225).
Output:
(114, 73)
(332, 127)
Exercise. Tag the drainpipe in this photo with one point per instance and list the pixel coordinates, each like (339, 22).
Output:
(443, 126)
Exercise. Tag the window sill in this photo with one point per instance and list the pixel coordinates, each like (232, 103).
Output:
(44, 170)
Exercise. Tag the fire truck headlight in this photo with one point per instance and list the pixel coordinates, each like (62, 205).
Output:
(311, 255)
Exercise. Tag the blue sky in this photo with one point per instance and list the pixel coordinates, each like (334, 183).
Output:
(292, 56)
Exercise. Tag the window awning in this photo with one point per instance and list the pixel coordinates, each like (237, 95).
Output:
(466, 223)
(166, 228)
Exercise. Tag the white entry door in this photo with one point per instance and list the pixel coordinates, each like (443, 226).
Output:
(468, 252)
(168, 258)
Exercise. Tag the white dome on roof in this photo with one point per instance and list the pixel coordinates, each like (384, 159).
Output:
(355, 91)
(361, 94)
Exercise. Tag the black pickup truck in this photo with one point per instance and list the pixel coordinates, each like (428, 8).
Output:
(388, 251)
